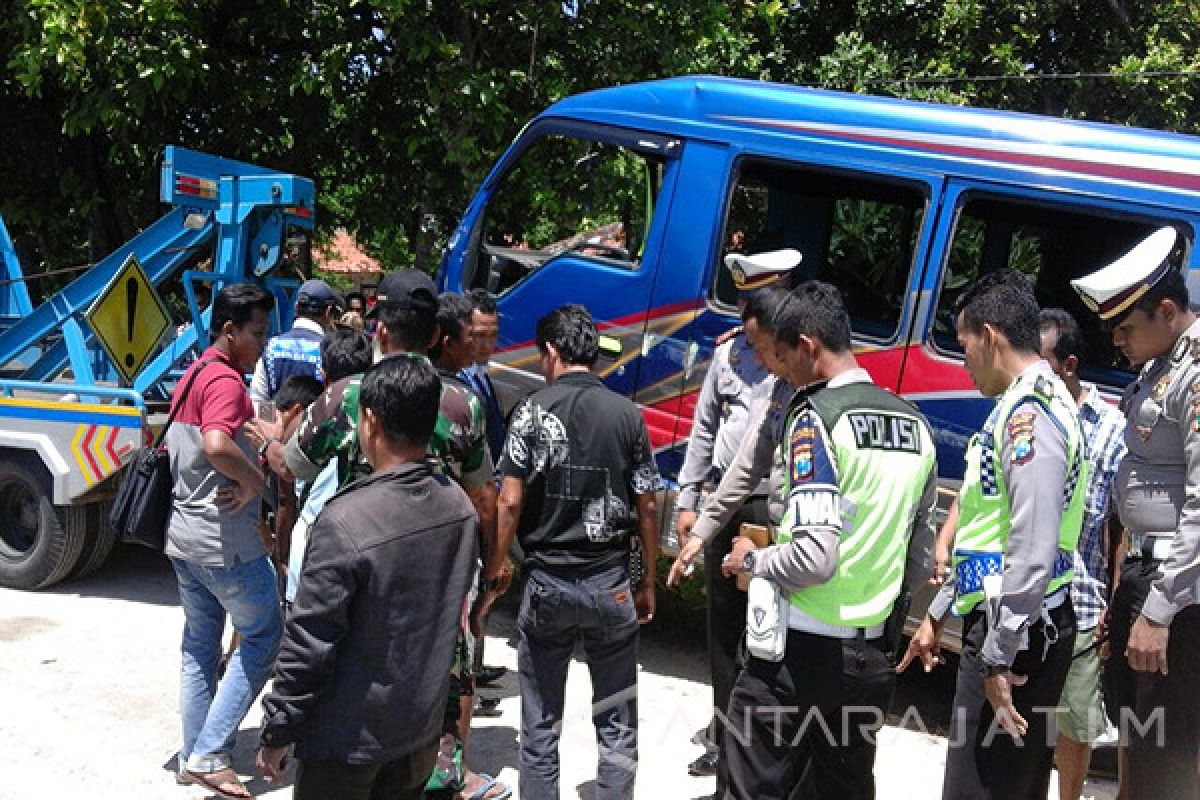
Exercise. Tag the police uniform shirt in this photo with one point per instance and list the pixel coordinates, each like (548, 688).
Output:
(734, 384)
(1034, 458)
(1158, 484)
(757, 459)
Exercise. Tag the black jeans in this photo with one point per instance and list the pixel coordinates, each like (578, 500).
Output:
(557, 610)
(402, 779)
(726, 607)
(1158, 716)
(816, 711)
(982, 760)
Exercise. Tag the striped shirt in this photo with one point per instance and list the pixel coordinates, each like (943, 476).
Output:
(1104, 441)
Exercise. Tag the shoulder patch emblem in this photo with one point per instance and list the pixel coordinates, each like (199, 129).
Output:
(804, 437)
(1160, 388)
(1020, 433)
(1196, 413)
(1196, 349)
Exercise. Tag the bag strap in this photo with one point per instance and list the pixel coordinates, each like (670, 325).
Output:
(187, 388)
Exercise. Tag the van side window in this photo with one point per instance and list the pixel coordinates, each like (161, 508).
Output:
(858, 234)
(567, 196)
(1050, 245)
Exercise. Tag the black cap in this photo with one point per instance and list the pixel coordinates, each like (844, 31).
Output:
(408, 289)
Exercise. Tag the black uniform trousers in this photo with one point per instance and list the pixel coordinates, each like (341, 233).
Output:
(983, 761)
(1158, 716)
(806, 726)
(726, 608)
(401, 779)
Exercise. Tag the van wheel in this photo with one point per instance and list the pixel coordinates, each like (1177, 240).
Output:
(39, 542)
(100, 536)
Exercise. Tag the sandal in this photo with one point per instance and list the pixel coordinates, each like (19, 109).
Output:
(488, 784)
(224, 782)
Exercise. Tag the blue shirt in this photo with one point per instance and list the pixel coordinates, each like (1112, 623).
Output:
(1104, 442)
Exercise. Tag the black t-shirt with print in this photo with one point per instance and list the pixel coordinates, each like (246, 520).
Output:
(583, 453)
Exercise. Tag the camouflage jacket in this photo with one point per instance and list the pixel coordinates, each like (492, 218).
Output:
(329, 430)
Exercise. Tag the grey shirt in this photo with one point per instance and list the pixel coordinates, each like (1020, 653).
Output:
(757, 459)
(1158, 483)
(734, 384)
(1036, 481)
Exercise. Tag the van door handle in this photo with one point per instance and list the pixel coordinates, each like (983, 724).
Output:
(689, 359)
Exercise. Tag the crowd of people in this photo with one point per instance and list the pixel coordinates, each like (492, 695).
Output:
(354, 512)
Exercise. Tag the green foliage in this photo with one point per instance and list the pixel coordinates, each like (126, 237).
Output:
(399, 107)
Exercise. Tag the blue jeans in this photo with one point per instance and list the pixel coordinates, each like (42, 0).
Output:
(556, 610)
(212, 712)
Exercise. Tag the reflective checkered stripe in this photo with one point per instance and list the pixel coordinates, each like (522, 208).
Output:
(883, 452)
(984, 519)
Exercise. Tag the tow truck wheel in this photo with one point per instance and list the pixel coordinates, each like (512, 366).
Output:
(39, 542)
(99, 538)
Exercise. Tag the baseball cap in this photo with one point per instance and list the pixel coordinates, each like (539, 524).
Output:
(315, 296)
(408, 289)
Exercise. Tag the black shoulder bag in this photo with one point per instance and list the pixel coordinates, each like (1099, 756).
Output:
(143, 503)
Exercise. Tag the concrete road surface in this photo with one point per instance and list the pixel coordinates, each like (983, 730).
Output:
(89, 708)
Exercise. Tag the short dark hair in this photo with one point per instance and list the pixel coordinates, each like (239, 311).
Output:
(761, 306)
(359, 296)
(1003, 299)
(816, 309)
(1171, 286)
(404, 393)
(482, 301)
(572, 332)
(298, 390)
(453, 316)
(408, 328)
(1069, 336)
(346, 351)
(237, 304)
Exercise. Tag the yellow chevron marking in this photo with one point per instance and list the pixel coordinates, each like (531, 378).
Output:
(77, 451)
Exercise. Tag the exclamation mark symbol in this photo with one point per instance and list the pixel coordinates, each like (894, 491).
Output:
(131, 293)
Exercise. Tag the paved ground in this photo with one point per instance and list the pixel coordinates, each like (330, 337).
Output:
(88, 688)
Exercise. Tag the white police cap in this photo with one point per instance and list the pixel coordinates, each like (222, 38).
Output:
(1112, 290)
(760, 269)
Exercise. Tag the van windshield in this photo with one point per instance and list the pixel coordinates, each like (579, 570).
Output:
(567, 195)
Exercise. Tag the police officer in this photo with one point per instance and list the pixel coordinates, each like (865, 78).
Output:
(860, 483)
(1020, 510)
(736, 381)
(1154, 672)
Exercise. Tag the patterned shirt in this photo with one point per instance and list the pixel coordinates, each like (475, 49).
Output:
(330, 430)
(583, 453)
(1103, 435)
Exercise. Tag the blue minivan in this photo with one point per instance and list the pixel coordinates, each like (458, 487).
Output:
(627, 200)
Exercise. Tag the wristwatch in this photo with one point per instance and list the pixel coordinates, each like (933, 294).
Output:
(992, 670)
(748, 562)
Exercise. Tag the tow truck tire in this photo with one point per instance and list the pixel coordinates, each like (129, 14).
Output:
(100, 536)
(40, 543)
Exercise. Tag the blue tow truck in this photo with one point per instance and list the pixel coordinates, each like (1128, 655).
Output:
(85, 376)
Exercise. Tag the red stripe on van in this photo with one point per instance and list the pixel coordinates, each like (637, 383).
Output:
(1118, 171)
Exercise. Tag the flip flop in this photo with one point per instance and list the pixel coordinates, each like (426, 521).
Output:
(218, 782)
(489, 783)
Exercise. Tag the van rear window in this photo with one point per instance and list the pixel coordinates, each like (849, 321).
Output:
(858, 234)
(1050, 245)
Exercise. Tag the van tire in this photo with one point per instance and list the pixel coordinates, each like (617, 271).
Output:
(99, 540)
(39, 542)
